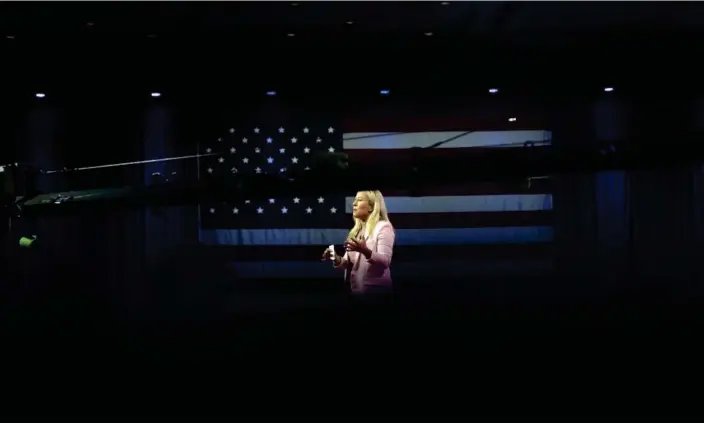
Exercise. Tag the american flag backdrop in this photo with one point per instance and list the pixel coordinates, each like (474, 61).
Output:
(463, 229)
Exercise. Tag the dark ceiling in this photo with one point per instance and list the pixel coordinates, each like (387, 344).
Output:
(411, 41)
(486, 18)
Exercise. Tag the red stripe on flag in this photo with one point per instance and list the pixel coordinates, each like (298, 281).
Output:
(402, 253)
(534, 186)
(471, 154)
(366, 157)
(466, 122)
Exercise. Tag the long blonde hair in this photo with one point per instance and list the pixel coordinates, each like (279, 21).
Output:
(379, 213)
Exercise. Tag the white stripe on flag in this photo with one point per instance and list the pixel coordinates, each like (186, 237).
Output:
(466, 203)
(459, 139)
(437, 236)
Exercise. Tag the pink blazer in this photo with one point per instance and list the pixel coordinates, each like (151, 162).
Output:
(374, 272)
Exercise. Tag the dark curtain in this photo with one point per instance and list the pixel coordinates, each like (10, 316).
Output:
(97, 263)
(628, 234)
(85, 261)
(593, 209)
(181, 282)
(166, 228)
(574, 204)
(666, 207)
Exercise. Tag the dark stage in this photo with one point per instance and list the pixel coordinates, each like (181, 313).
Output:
(494, 337)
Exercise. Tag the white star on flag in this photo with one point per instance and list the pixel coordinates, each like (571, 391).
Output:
(268, 154)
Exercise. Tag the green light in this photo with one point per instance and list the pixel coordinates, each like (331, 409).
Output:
(27, 242)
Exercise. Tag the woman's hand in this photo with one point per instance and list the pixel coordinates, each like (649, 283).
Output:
(358, 245)
(326, 256)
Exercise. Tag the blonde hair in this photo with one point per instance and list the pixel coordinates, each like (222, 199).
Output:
(378, 213)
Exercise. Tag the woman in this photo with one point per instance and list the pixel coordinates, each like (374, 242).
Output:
(369, 246)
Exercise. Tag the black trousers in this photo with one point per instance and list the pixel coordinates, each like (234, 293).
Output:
(370, 313)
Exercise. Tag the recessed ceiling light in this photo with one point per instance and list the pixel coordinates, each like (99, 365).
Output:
(10, 37)
(349, 22)
(445, 3)
(89, 23)
(428, 34)
(512, 119)
(290, 34)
